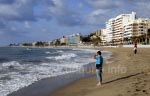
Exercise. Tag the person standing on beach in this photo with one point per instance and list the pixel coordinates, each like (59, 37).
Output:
(135, 48)
(99, 63)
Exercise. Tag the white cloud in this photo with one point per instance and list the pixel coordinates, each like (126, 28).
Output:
(57, 8)
(104, 4)
(99, 12)
(97, 17)
(8, 10)
(27, 25)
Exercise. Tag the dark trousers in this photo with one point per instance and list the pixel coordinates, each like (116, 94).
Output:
(135, 51)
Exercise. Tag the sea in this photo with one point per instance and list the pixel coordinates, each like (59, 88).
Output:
(22, 66)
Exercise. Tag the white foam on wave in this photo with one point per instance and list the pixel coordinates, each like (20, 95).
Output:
(87, 50)
(17, 81)
(66, 56)
(47, 52)
(35, 73)
(12, 63)
(28, 49)
(60, 51)
(63, 56)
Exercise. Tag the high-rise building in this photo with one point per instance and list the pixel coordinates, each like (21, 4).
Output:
(119, 23)
(136, 28)
(104, 36)
(110, 29)
(115, 26)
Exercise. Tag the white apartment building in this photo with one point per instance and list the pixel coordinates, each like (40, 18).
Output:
(120, 22)
(104, 36)
(110, 29)
(136, 28)
(148, 22)
(115, 26)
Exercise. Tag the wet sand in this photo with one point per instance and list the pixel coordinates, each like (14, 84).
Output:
(128, 75)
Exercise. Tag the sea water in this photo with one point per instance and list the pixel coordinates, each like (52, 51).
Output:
(20, 67)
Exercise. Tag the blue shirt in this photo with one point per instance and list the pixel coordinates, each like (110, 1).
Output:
(99, 59)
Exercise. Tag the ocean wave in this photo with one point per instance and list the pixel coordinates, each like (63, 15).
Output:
(47, 52)
(64, 56)
(87, 50)
(35, 72)
(28, 48)
(60, 51)
(11, 63)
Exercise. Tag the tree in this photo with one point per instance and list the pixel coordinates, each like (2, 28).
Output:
(39, 43)
(96, 40)
(27, 44)
(85, 38)
(57, 42)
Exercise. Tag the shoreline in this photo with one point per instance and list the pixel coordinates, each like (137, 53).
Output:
(51, 84)
(50, 80)
(134, 82)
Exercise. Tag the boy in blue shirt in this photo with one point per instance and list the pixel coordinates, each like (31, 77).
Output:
(98, 64)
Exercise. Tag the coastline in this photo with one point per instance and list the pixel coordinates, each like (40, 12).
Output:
(135, 81)
(50, 81)
(53, 83)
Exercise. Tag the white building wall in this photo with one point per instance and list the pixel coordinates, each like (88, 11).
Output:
(110, 29)
(104, 35)
(118, 26)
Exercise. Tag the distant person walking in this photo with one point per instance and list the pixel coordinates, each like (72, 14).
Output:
(135, 48)
(98, 64)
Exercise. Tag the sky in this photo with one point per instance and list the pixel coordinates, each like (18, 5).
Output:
(45, 20)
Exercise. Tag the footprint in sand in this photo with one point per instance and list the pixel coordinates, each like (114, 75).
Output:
(137, 89)
(135, 94)
(144, 91)
(119, 95)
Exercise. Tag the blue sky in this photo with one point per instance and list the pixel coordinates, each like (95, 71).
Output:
(45, 20)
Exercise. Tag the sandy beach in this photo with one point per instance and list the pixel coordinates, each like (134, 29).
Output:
(128, 75)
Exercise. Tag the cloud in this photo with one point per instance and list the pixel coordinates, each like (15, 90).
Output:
(17, 10)
(7, 1)
(103, 4)
(26, 19)
(97, 17)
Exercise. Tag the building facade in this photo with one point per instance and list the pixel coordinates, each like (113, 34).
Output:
(73, 40)
(115, 27)
(63, 40)
(110, 29)
(136, 28)
(104, 36)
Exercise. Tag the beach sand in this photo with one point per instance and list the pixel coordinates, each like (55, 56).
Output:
(128, 75)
